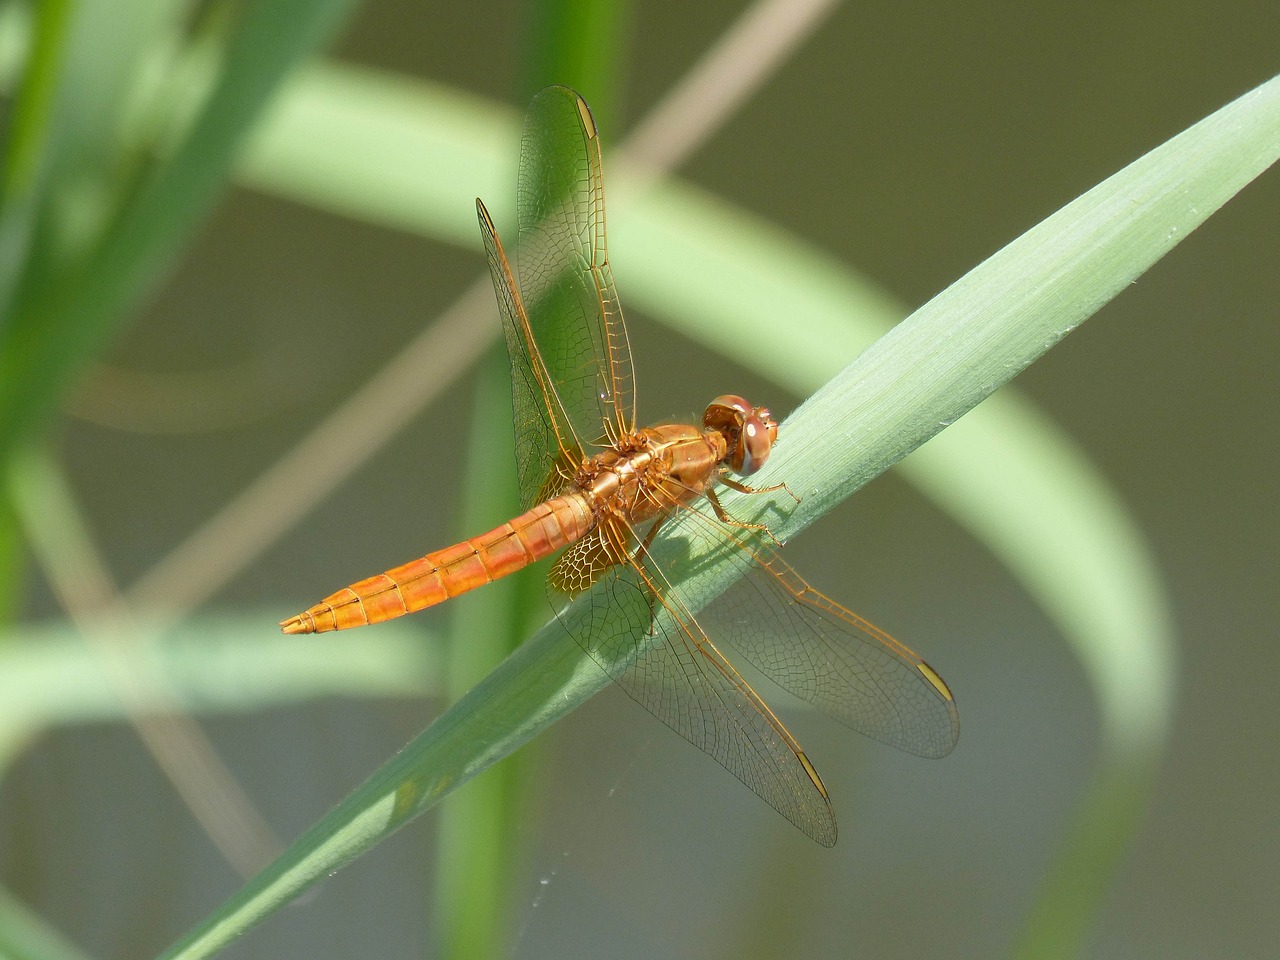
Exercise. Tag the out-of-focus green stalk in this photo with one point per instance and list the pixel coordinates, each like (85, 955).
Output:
(64, 321)
(482, 852)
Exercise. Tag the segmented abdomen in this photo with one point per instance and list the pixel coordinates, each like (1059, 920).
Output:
(446, 573)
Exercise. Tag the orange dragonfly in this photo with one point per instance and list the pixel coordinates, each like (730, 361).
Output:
(594, 486)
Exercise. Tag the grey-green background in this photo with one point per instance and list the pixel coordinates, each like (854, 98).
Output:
(910, 141)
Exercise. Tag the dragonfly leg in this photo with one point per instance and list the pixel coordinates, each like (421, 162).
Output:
(733, 484)
(642, 551)
(741, 524)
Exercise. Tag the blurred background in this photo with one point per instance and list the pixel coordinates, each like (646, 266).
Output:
(907, 142)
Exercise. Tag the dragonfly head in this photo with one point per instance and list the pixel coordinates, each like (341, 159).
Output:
(749, 432)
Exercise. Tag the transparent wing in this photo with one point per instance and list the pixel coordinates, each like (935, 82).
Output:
(581, 564)
(821, 652)
(640, 633)
(563, 268)
(547, 450)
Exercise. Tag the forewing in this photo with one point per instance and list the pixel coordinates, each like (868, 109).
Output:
(547, 450)
(563, 267)
(821, 652)
(640, 633)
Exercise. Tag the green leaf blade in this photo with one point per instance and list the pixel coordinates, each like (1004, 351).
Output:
(928, 372)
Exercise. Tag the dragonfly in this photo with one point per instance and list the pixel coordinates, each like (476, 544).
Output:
(599, 490)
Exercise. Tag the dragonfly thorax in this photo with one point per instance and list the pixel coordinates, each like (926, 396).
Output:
(749, 432)
(647, 473)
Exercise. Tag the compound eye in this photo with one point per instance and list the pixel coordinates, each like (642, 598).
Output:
(770, 424)
(756, 444)
(726, 413)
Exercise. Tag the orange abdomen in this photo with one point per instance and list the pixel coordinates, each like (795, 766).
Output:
(446, 573)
